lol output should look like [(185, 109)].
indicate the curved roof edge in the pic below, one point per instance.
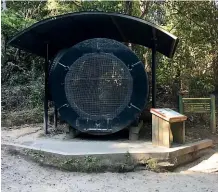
[(66, 30)]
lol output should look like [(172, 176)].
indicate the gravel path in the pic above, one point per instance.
[(19, 175)]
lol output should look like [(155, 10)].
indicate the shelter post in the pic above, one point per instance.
[(46, 92), (154, 70)]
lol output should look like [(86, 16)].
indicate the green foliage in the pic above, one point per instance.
[(31, 116), (194, 67), (203, 83), (12, 22), (195, 23)]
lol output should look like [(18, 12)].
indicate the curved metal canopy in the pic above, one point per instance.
[(67, 30)]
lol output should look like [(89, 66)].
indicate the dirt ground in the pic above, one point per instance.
[(22, 175)]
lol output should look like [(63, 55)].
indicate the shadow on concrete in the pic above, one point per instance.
[(145, 134), (121, 135)]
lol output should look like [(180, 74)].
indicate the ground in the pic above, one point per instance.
[(23, 175)]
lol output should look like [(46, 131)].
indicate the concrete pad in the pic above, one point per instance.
[(105, 147), (111, 152), (95, 147)]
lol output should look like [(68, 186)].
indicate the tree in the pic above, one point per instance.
[(194, 67)]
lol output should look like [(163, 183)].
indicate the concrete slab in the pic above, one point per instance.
[(96, 147), (108, 153)]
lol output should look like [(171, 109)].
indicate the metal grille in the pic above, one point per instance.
[(98, 86)]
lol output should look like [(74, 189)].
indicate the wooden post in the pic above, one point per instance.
[(212, 114), (166, 134), (181, 110), (155, 130)]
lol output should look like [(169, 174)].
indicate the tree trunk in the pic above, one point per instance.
[(128, 7), (215, 70), (2, 48)]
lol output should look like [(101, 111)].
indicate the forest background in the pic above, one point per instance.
[(193, 72)]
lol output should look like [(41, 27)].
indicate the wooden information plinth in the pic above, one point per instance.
[(167, 126)]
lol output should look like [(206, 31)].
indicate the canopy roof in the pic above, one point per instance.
[(64, 31)]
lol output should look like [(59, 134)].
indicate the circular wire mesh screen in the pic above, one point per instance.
[(98, 86)]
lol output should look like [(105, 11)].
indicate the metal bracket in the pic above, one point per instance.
[(131, 105), (65, 105), (67, 68)]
